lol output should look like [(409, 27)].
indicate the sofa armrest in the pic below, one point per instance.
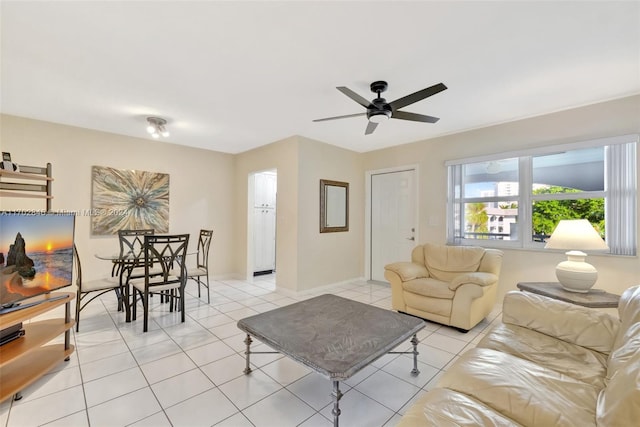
[(476, 278), (408, 270), (572, 323)]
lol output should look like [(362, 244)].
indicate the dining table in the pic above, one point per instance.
[(124, 264)]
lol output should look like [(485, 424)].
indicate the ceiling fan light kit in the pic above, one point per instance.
[(379, 110), (379, 117)]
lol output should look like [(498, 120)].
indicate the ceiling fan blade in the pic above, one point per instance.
[(404, 115), (417, 96), (340, 117), (371, 126), (351, 94)]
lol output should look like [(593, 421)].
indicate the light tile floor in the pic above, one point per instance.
[(190, 374)]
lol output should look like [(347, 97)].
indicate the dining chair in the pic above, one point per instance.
[(132, 244), (168, 253), (130, 262), (87, 291), (202, 262)]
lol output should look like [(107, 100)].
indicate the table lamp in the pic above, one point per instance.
[(574, 274)]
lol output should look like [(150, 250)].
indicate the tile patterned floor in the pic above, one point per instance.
[(190, 374)]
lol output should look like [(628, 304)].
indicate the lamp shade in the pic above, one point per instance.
[(576, 234)]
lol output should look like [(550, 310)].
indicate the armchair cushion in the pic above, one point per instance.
[(429, 287), (477, 278), (408, 270), (446, 262)]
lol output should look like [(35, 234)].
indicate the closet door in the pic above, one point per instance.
[(270, 239), (265, 190), (264, 220)]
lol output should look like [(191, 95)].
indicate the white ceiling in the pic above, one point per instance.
[(232, 76)]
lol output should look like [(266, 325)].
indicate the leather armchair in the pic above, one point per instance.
[(451, 285)]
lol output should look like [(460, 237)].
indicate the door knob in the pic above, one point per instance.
[(411, 238)]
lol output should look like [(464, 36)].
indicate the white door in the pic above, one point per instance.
[(261, 242), (393, 219), (265, 189), (259, 237), (264, 244)]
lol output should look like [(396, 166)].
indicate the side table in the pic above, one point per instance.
[(595, 298)]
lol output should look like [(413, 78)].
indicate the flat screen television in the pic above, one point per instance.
[(36, 255)]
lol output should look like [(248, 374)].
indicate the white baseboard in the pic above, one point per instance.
[(320, 289)]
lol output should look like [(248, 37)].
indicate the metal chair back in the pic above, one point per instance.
[(204, 242), (165, 271), (202, 262), (132, 242), (169, 252)]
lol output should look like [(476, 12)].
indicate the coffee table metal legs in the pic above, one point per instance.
[(247, 341), (337, 394), (414, 341), (248, 353)]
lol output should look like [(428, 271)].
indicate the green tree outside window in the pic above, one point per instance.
[(477, 218), (547, 213)]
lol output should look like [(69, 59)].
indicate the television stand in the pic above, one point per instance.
[(26, 359), (27, 304)]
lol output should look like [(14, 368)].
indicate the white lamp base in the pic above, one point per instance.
[(574, 274)]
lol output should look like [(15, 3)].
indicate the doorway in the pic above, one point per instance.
[(261, 236), (391, 218)]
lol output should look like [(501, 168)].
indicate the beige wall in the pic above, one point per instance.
[(201, 183), (283, 157), (304, 257), (209, 189), (618, 117), (329, 257)]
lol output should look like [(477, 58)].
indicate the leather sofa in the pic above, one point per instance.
[(451, 285), (549, 363)]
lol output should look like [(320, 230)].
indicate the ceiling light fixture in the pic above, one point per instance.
[(379, 116), (493, 168), (157, 127)]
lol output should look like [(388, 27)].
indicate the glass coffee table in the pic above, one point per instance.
[(334, 336)]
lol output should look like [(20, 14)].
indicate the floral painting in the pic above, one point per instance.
[(128, 199)]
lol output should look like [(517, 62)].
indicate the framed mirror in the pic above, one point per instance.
[(334, 206)]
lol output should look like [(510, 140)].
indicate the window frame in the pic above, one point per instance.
[(525, 197)]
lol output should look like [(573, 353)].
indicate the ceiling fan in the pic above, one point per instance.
[(380, 110)]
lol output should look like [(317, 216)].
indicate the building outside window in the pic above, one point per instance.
[(517, 200)]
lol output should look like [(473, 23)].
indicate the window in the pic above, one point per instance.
[(488, 194), (567, 185), (517, 200)]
